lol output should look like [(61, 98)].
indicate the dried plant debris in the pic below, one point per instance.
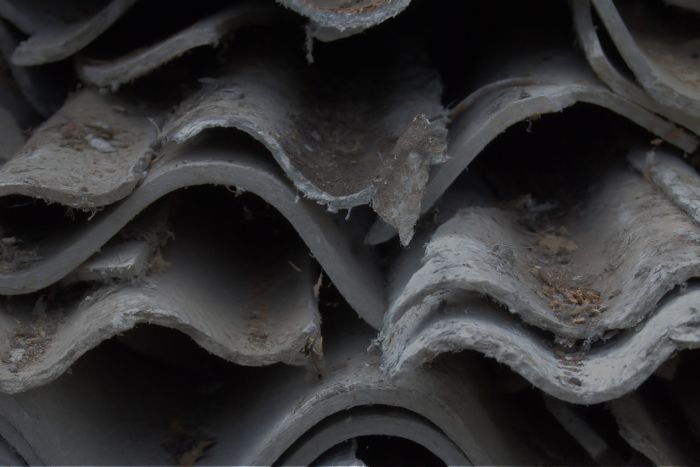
[(355, 133), (32, 337), (91, 153)]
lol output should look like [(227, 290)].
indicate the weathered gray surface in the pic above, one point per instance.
[(605, 372), (335, 19), (208, 31), (368, 421), (660, 53), (226, 299), (88, 154), (351, 140), (603, 265), (670, 174), (252, 422), (526, 89), (351, 267), (59, 29), (610, 74)]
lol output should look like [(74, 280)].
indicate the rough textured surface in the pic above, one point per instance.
[(604, 372), (208, 31), (349, 266), (230, 297), (88, 154), (342, 149), (612, 75), (253, 423), (660, 51), (589, 267), (675, 178), (59, 29), (549, 84), (334, 19)]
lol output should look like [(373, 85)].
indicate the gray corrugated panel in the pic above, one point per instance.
[(91, 153), (335, 19), (660, 51), (647, 424), (675, 178), (605, 372), (44, 87), (350, 266), (603, 266), (345, 139), (209, 31), (373, 421), (610, 74), (527, 89), (59, 29), (238, 304), (107, 404)]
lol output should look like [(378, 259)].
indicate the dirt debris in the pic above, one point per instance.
[(94, 134), (566, 290), (32, 337)]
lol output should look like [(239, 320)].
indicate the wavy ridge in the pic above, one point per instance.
[(235, 304), (589, 40), (542, 87), (351, 268), (205, 32), (58, 33), (601, 374), (603, 267), (658, 53), (246, 434)]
